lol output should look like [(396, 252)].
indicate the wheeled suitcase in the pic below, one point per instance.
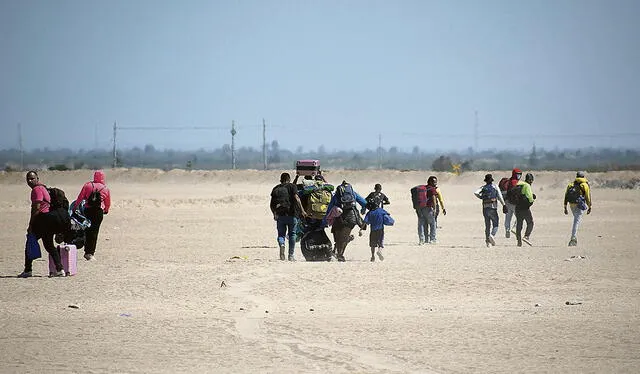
[(307, 167), (69, 258)]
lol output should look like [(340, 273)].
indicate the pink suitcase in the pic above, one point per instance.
[(307, 167), (69, 258)]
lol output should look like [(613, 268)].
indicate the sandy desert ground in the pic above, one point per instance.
[(153, 301)]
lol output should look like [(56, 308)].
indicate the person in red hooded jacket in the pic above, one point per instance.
[(509, 209), (94, 209)]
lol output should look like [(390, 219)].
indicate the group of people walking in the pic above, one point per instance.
[(316, 204), (517, 197), (339, 210), (51, 215), (313, 205)]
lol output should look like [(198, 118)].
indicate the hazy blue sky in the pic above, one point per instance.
[(337, 73)]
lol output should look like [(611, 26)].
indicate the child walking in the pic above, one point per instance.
[(377, 219)]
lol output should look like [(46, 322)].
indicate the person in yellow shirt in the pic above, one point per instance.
[(440, 203), (437, 202), (578, 196)]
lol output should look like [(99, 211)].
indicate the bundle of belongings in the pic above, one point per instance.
[(316, 245), (79, 224)]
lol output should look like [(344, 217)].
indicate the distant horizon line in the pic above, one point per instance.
[(326, 151)]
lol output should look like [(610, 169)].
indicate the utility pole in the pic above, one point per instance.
[(114, 145), (475, 133), (264, 143), (379, 151), (21, 149), (233, 145)]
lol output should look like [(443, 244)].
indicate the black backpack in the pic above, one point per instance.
[(280, 200), (58, 199), (95, 198), (374, 200), (59, 208), (573, 193), (515, 196)]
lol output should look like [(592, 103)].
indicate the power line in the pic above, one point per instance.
[(139, 128), (514, 136)]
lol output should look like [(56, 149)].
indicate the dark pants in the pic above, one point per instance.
[(341, 231), (376, 238), (45, 226), (523, 215), (94, 215), (491, 221)]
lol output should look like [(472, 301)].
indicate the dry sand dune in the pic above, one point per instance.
[(153, 302)]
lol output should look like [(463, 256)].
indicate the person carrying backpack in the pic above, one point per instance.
[(490, 196), (97, 200), (578, 196), (425, 200), (315, 199), (376, 199), (287, 209), (509, 209), (522, 197), (346, 199), (43, 224)]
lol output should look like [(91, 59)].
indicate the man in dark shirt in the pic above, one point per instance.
[(287, 210)]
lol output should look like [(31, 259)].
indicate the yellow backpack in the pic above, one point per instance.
[(318, 202)]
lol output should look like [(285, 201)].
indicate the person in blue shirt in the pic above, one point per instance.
[(377, 219), (345, 198)]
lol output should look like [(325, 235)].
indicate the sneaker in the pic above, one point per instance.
[(379, 253), (519, 243), (89, 257), (487, 242), (281, 252), (60, 273), (373, 258), (421, 242), (25, 274), (291, 258), (492, 240), (573, 242), (341, 259), (433, 241)]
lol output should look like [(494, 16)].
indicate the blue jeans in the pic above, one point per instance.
[(577, 217), (511, 209), (490, 218), (426, 224), (287, 227)]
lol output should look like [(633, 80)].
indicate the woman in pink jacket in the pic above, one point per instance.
[(97, 199)]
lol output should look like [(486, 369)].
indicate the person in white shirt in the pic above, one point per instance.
[(490, 196)]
